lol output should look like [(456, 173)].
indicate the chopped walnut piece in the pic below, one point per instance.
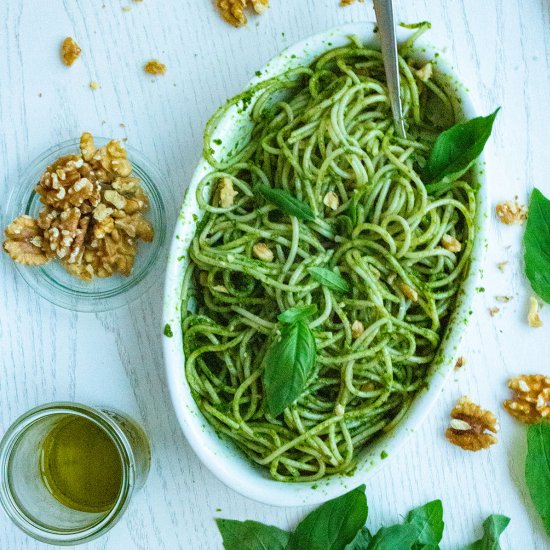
[(154, 67), (509, 212), (357, 329), (24, 241), (260, 6), (460, 362), (233, 11), (470, 426), (94, 85), (450, 243), (263, 252), (502, 266), (344, 3), (425, 72), (69, 51), (409, 292), (531, 399), (533, 317), (504, 299), (493, 311), (227, 192), (331, 200)]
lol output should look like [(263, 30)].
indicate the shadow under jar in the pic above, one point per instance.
[(68, 471)]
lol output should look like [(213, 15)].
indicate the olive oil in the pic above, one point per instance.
[(80, 465)]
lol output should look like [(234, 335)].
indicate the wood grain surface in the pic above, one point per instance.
[(501, 49)]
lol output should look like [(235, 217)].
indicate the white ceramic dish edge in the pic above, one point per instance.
[(219, 455)]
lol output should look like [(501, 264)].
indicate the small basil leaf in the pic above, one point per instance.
[(251, 535), (328, 278), (493, 527), (286, 202), (288, 364), (456, 149), (536, 243), (297, 313), (428, 522), (537, 470), (361, 541), (352, 210), (396, 537), (333, 525)]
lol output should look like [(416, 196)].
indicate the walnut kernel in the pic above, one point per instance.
[(331, 200), (450, 243), (425, 72), (531, 399), (263, 252), (154, 67), (509, 212), (357, 329), (70, 51), (227, 192), (409, 292), (24, 241), (233, 11)]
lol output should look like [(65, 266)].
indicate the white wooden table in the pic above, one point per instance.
[(500, 48)]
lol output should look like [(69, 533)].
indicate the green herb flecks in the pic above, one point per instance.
[(168, 331)]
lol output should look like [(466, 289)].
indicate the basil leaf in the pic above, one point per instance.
[(536, 243), (286, 202), (328, 278), (333, 525), (288, 364), (297, 313), (396, 537), (251, 535), (361, 541), (493, 527), (537, 470), (455, 150), (428, 522)]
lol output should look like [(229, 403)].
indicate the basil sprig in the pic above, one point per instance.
[(328, 278), (455, 150), (536, 244), (537, 470), (286, 202), (297, 313), (288, 364), (339, 524)]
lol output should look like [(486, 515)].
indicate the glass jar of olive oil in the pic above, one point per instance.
[(68, 471)]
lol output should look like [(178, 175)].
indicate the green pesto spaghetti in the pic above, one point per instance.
[(350, 199)]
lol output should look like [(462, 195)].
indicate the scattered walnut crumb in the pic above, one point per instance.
[(460, 362), (509, 212), (70, 51), (425, 72), (409, 292), (533, 316), (331, 200), (450, 243), (502, 266), (126, 8), (94, 85), (504, 299), (493, 311), (344, 3), (471, 428), (263, 252), (531, 400), (357, 329), (233, 11), (227, 192), (154, 67)]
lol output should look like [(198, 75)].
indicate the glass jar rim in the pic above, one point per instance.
[(57, 536)]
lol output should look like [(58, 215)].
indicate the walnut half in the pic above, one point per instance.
[(233, 11), (471, 428), (24, 242), (531, 401)]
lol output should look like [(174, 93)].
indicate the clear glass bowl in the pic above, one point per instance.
[(51, 280)]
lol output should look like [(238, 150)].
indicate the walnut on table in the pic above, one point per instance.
[(471, 427), (233, 11), (154, 67), (509, 212), (70, 51), (531, 400)]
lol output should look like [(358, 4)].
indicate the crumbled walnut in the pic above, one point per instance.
[(425, 72), (331, 200), (533, 317), (69, 51), (154, 67), (502, 266), (470, 426), (409, 292), (494, 311), (531, 400), (460, 362), (260, 6), (450, 243), (263, 252), (357, 329), (344, 3), (509, 212), (227, 192), (233, 11), (24, 241), (94, 85)]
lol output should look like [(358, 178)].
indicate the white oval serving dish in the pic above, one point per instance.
[(222, 458)]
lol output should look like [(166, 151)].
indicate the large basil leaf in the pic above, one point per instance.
[(536, 242), (288, 363), (455, 150), (286, 202), (251, 535), (297, 313), (329, 279), (428, 522), (333, 525), (537, 470), (396, 537), (493, 527), (361, 541)]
